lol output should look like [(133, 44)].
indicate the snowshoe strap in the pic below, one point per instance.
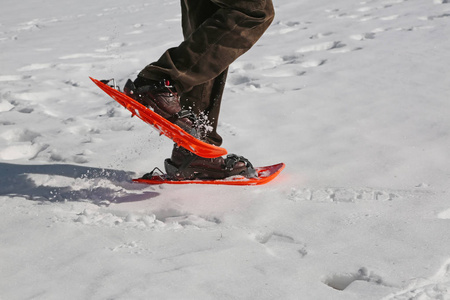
[(184, 113), (232, 159), (162, 85), (187, 162), (156, 172), (130, 88), (175, 173)]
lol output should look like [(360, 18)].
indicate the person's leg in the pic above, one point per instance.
[(204, 101), (210, 48)]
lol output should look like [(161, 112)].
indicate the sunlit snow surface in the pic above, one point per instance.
[(352, 95)]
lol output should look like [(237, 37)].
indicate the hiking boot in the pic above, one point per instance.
[(162, 98), (184, 165)]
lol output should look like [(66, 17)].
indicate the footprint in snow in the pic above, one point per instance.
[(320, 35), (389, 18), (7, 78), (435, 287), (19, 135), (343, 16), (313, 63), (281, 245), (341, 281), (341, 195), (25, 151), (431, 18), (321, 47), (36, 67), (286, 27), (363, 36)]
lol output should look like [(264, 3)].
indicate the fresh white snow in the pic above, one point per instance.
[(352, 95)]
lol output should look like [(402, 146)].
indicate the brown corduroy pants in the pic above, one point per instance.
[(216, 33)]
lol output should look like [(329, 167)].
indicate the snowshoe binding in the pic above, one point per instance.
[(163, 99), (184, 165)]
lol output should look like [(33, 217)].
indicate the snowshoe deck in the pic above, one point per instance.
[(172, 131), (265, 174)]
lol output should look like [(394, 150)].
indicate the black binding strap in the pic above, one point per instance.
[(184, 113), (232, 159), (155, 172)]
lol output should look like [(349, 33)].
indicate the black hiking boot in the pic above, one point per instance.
[(184, 165), (163, 99)]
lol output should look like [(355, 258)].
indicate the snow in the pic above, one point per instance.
[(351, 95)]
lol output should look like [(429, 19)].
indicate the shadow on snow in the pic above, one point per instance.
[(95, 185)]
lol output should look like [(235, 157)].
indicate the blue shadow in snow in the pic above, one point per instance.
[(15, 181)]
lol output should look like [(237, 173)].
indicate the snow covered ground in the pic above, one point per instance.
[(352, 95)]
